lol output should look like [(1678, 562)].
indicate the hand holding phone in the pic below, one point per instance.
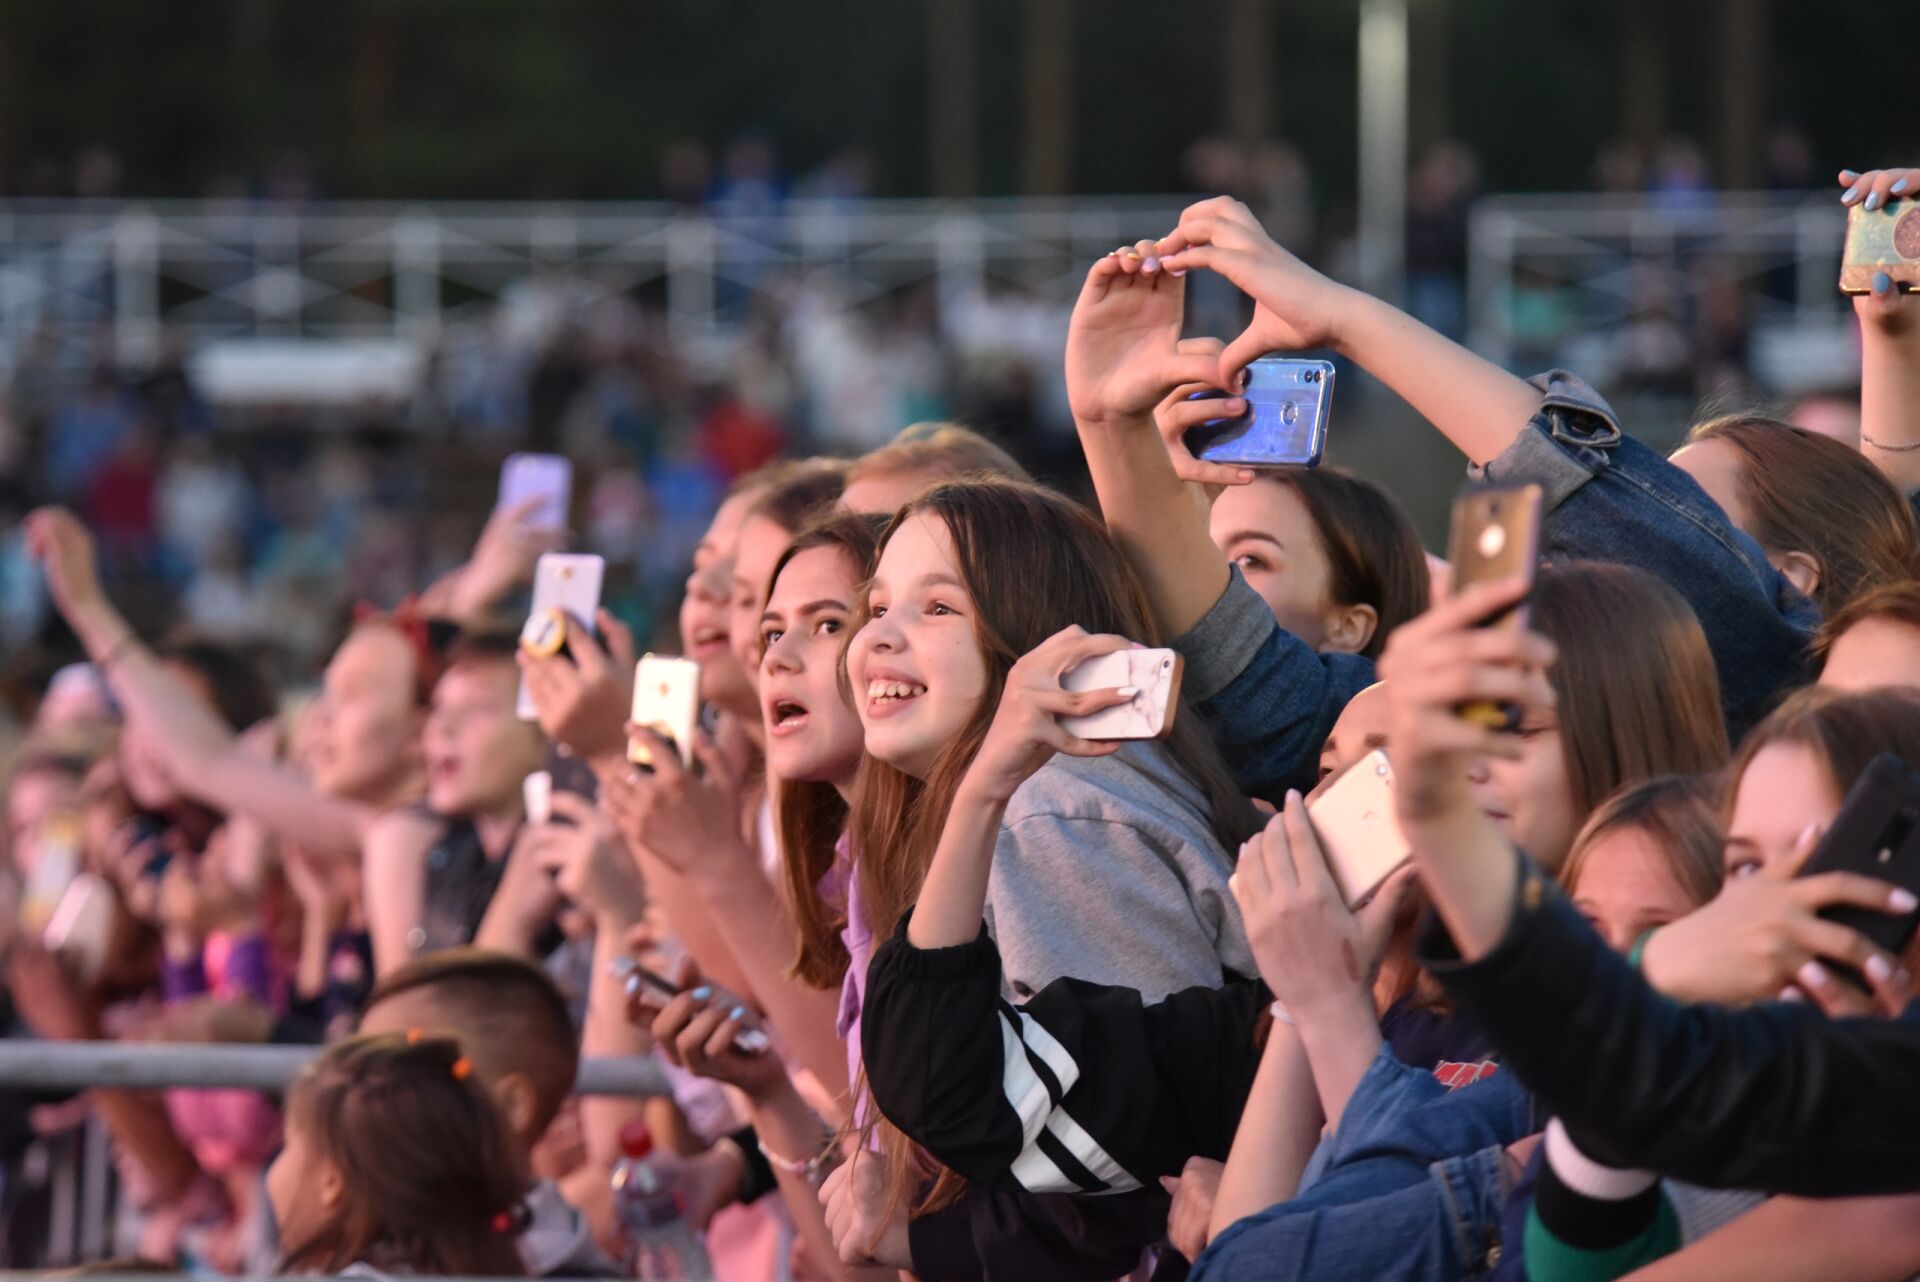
[(1877, 835), (1495, 535), (547, 478), (1358, 830), (1289, 402), (638, 976), (1155, 674), (566, 595)]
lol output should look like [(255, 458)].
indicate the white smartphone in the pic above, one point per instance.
[(536, 790), (80, 932), (666, 700), (547, 477), (1358, 831), (1149, 715), (565, 585)]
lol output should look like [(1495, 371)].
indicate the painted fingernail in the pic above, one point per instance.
[(1244, 476), (1807, 834), (1792, 994), (1879, 969), (1176, 271), (1293, 796), (1873, 200), (1902, 900), (702, 993), (633, 985), (1813, 975), (738, 1012), (1127, 692), (1882, 283), (1853, 193), (1899, 186), (1152, 264), (1849, 175)]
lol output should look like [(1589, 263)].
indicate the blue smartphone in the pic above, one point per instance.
[(1285, 425)]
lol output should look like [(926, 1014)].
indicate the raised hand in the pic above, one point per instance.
[(64, 548), (1886, 310), (1310, 946), (701, 1030), (1179, 413), (1026, 730), (588, 864), (1123, 341), (503, 557), (1295, 307), (689, 821), (581, 697)]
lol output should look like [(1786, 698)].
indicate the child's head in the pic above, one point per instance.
[(395, 1158), (1648, 855), (971, 576), (506, 1012), (1334, 556), (1874, 640), (1796, 767), (1631, 703), (478, 751), (1826, 517), (798, 492), (922, 456), (813, 735)]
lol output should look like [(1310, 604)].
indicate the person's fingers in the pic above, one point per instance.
[(1276, 849), (1309, 864), (1824, 890), (1832, 942), (673, 1019), (1856, 189), (724, 1039), (713, 762), (1171, 1183), (588, 655), (1239, 354), (1130, 260), (572, 806), (619, 642), (667, 768), (1878, 189), (1149, 253), (1202, 346), (693, 1039), (1254, 882), (1788, 868), (1892, 985), (1836, 998), (1099, 282)]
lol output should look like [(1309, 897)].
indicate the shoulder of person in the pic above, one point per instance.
[(1139, 785), (404, 830)]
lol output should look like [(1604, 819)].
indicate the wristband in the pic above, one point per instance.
[(808, 1169)]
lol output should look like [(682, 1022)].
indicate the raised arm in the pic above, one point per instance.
[(1889, 345), (396, 884), (1477, 405), (203, 756)]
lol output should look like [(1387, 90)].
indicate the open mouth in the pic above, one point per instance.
[(707, 641), (785, 716), (442, 769)]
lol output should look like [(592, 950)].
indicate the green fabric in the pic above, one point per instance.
[(1548, 1259)]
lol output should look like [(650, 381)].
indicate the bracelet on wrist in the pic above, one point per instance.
[(808, 1169)]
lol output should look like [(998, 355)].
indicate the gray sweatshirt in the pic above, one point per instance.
[(1107, 870)]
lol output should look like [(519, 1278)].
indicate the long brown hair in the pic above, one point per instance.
[(1809, 493), (1894, 602), (1681, 815), (1637, 700), (1374, 556), (811, 816), (430, 1183), (1033, 562)]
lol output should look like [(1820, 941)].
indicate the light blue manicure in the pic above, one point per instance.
[(1898, 187), (1882, 283), (1873, 201), (1853, 193), (702, 993), (738, 1012), (1850, 174)]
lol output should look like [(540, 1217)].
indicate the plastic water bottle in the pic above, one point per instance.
[(661, 1243)]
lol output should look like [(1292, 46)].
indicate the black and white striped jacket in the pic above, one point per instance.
[(1082, 1089)]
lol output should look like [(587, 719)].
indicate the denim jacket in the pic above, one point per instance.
[(1411, 1186), (1610, 498), (1269, 699)]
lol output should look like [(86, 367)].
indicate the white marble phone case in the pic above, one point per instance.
[(1358, 830), (1149, 715)]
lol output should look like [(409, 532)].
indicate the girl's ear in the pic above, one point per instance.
[(1801, 569), (1350, 627), (333, 1186)]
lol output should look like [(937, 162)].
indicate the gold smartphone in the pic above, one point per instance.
[(1495, 535)]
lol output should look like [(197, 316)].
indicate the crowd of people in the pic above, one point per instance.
[(942, 987)]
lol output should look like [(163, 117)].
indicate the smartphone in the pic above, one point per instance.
[(536, 791), (547, 477), (1495, 535), (56, 864), (1358, 831), (1288, 401), (566, 593), (752, 1040), (1876, 834), (1887, 240), (666, 700), (80, 932), (1155, 673)]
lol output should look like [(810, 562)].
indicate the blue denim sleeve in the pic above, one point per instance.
[(1610, 498), (1269, 699)]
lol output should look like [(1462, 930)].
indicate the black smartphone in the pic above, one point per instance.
[(1876, 834), (1495, 535)]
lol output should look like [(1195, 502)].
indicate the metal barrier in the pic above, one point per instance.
[(156, 1066), (207, 271)]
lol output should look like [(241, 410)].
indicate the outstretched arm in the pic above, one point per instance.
[(1477, 405), (203, 755), (1889, 346)]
